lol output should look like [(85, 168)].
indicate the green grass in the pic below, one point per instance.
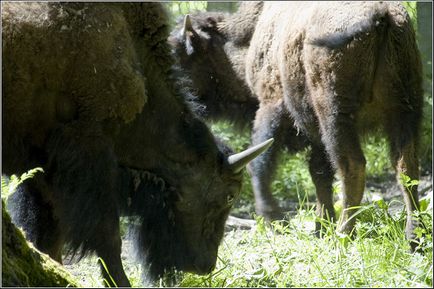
[(181, 8), (290, 255), (184, 7)]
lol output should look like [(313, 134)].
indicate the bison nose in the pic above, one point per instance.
[(204, 267)]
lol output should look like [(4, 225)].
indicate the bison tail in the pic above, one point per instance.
[(399, 75)]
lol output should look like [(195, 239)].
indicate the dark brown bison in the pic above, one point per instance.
[(91, 96), (325, 73)]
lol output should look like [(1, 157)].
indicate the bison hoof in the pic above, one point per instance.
[(414, 240)]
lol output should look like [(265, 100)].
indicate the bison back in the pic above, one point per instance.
[(63, 61)]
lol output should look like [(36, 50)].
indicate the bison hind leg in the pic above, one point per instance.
[(35, 216), (404, 158), (341, 140)]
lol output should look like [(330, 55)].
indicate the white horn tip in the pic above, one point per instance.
[(187, 22), (268, 142), (239, 160)]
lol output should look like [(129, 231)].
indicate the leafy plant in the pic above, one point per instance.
[(9, 185)]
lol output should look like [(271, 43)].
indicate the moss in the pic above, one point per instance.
[(24, 266)]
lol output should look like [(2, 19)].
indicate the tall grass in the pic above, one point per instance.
[(289, 255)]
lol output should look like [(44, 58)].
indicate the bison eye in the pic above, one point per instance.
[(230, 199)]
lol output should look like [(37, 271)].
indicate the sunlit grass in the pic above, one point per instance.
[(289, 255)]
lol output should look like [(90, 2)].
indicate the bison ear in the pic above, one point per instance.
[(238, 161)]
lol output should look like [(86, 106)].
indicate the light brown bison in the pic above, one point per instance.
[(324, 73)]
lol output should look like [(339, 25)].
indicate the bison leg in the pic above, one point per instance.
[(268, 124), (322, 174), (30, 211), (352, 168), (404, 158), (83, 173), (342, 144), (109, 250)]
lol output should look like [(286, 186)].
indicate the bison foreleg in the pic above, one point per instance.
[(84, 175), (268, 124), (110, 253)]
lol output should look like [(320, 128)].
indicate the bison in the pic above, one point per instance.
[(324, 75), (91, 95)]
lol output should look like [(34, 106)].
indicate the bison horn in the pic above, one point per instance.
[(238, 161), (187, 24)]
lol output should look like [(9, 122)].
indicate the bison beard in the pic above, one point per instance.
[(150, 201), (324, 75), (100, 109)]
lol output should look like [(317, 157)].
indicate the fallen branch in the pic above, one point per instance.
[(234, 223)]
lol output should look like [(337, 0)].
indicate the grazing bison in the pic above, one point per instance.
[(324, 73), (90, 94)]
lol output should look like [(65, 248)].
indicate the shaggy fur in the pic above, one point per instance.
[(330, 70), (90, 96), (219, 86)]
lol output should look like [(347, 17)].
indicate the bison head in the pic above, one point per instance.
[(183, 221), (202, 217), (211, 61)]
